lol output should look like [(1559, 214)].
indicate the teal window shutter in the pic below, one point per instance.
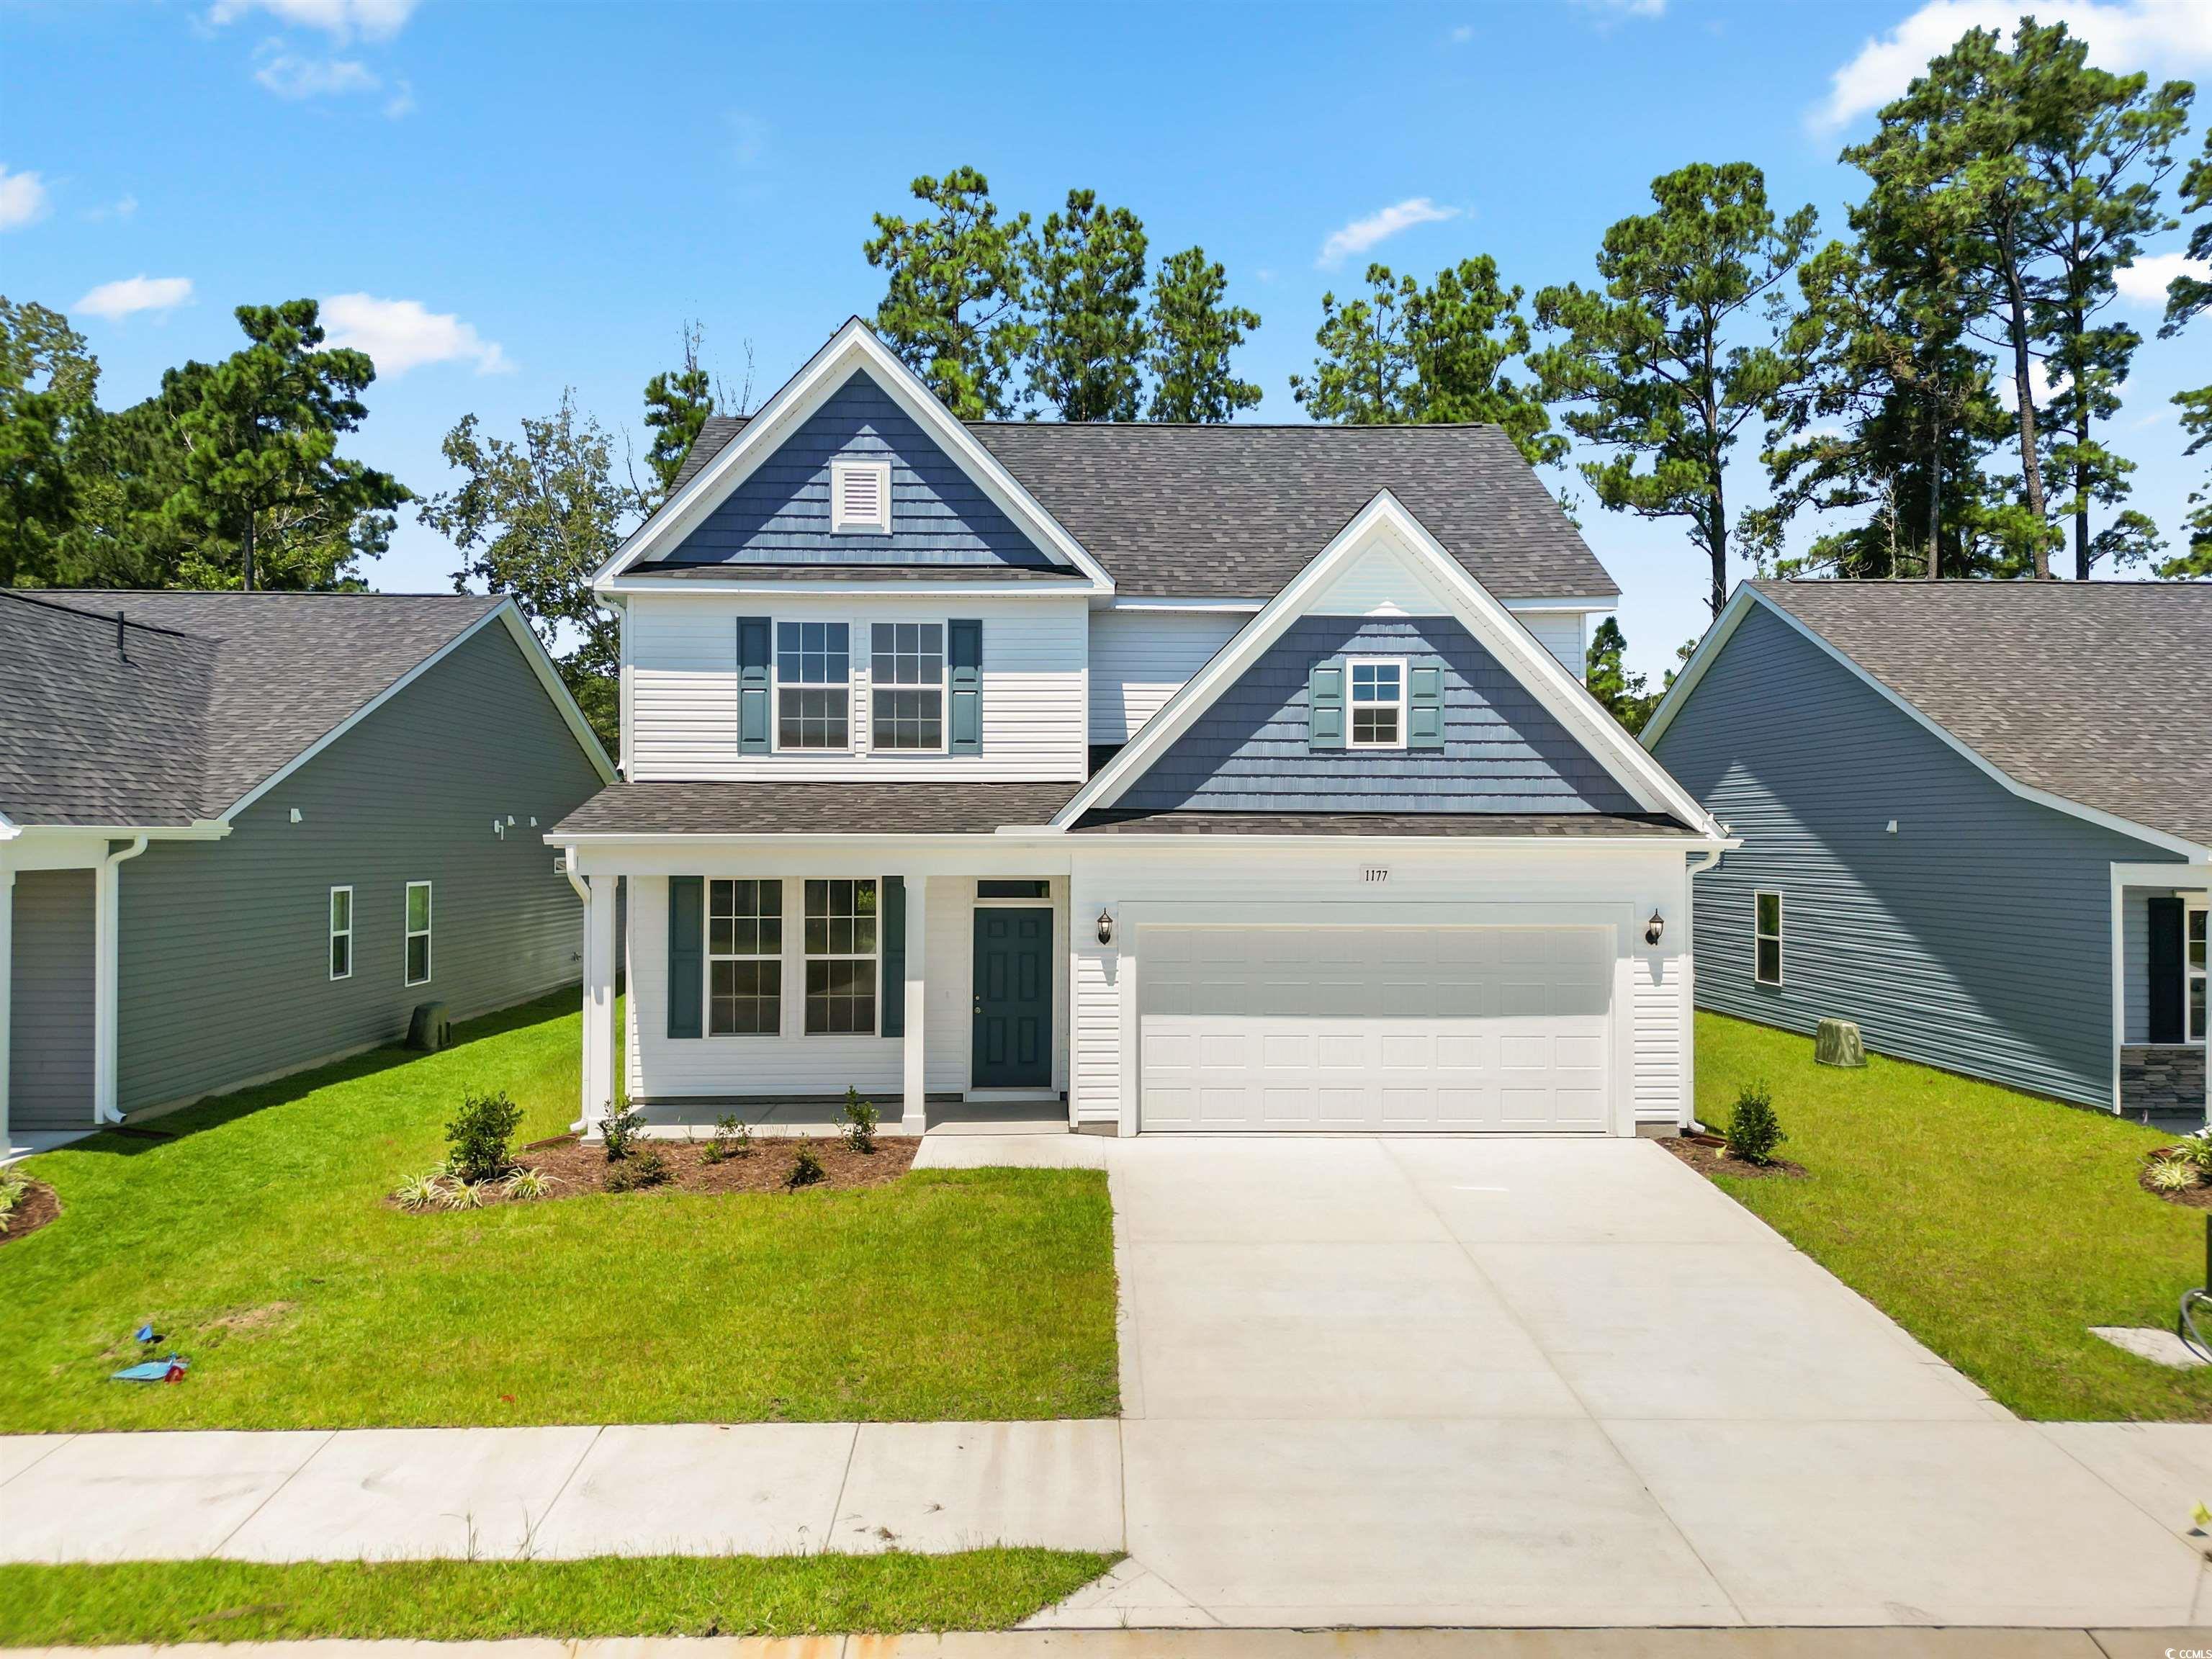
[(1325, 705), (2164, 916), (1425, 709), (964, 652), (755, 659), (892, 1001), (687, 910)]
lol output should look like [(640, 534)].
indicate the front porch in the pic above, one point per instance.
[(2160, 1015)]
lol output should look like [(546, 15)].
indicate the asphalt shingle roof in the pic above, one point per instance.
[(894, 807), (203, 697), (1381, 824), (1235, 511), (2100, 692)]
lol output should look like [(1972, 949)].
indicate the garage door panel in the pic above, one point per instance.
[(1451, 1028)]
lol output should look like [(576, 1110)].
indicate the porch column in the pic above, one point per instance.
[(7, 985), (598, 1001), (914, 1117), (106, 978)]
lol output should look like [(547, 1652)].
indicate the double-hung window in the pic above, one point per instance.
[(906, 675), (813, 685), (1766, 937), (2192, 966), (340, 932), (1378, 702), (418, 933), (841, 958), (744, 957)]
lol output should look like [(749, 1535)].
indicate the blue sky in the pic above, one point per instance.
[(500, 201)]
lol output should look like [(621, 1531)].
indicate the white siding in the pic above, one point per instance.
[(1661, 1015), (1379, 582), (1139, 659), (683, 653), (1560, 633)]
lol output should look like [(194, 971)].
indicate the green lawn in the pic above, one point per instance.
[(259, 1244), (476, 1600), (1997, 1228)]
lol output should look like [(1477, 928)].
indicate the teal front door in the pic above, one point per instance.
[(1013, 999)]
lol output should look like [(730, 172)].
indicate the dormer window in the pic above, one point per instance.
[(859, 498), (1378, 702)]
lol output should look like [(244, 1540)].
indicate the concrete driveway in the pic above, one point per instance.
[(1549, 1381)]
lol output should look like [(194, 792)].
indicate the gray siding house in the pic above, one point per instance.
[(1975, 818), (241, 834)]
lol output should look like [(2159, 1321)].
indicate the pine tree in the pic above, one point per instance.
[(952, 304), (1192, 331), (1086, 296)]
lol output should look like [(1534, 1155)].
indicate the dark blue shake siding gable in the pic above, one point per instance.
[(780, 514), (1977, 938), (1504, 752)]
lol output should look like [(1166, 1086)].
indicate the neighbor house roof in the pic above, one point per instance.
[(194, 699), (2099, 692), (1235, 511)]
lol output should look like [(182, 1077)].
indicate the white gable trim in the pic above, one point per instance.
[(853, 347), (1490, 622), (532, 652), (1731, 618)]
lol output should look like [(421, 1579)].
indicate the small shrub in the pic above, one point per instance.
[(643, 1168), (734, 1138), (528, 1183), (1754, 1131), (2196, 1151), (806, 1168), (624, 1128), (426, 1191), (860, 1121), (2171, 1174), (13, 1189), (478, 1139)]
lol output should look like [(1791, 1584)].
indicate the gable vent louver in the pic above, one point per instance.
[(861, 497)]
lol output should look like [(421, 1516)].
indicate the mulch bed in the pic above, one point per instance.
[(32, 1211), (578, 1167), (1709, 1156), (2193, 1197)]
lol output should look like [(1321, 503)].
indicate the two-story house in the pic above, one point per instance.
[(1200, 778)]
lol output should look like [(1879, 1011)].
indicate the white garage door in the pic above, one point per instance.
[(1462, 1030)]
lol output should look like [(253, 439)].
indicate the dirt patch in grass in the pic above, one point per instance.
[(2198, 1197), (39, 1205), (1709, 1156), (246, 1321), (576, 1167)]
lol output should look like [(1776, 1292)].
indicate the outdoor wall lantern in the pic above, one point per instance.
[(1105, 927), (1654, 928)]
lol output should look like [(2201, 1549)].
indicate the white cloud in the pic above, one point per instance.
[(1625, 8), (122, 208), (116, 301), (23, 199), (341, 20), (1363, 234), (2161, 36), (2144, 283), (400, 335), (1462, 35), (290, 76)]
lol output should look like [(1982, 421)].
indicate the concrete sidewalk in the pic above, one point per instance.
[(677, 1489)]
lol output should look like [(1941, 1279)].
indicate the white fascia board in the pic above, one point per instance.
[(199, 830), (621, 588), (1586, 606), (506, 613), (1218, 605), (1490, 620), (853, 347), (1731, 619)]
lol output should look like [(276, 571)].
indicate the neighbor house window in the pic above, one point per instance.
[(744, 957), (859, 498), (1378, 702), (340, 932), (1766, 937), (814, 685), (418, 933), (841, 957), (906, 673), (2192, 965)]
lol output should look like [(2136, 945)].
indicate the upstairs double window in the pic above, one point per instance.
[(906, 675), (921, 693), (813, 685)]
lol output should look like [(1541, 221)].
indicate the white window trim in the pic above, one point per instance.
[(874, 958), (338, 933), (779, 956), (1758, 938), (1351, 664), (425, 933), (2190, 973), (944, 685), (854, 685), (841, 526)]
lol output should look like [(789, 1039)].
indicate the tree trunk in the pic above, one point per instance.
[(1716, 537), (2031, 464), (247, 547), (2082, 501), (1936, 484)]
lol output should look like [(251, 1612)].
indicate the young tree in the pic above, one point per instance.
[(2185, 297), (1192, 330), (1652, 360), (1407, 352), (1086, 297), (534, 516), (952, 308), (678, 402), (266, 496)]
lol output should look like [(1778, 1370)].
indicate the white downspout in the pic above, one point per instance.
[(106, 908)]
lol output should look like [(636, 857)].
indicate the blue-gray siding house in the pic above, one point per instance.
[(1976, 819), (241, 834)]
